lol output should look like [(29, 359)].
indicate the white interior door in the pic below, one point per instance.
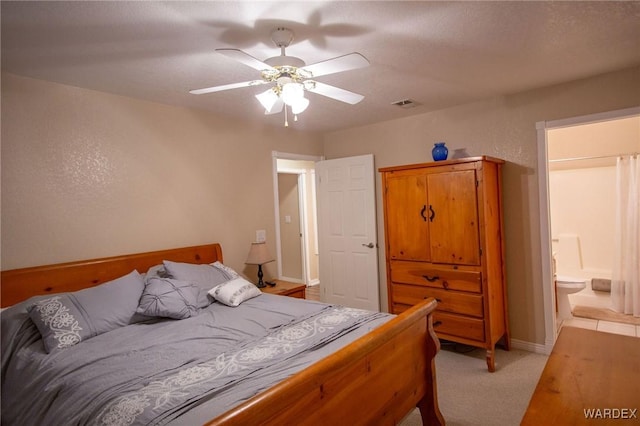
[(347, 232)]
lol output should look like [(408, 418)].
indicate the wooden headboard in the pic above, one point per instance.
[(17, 285)]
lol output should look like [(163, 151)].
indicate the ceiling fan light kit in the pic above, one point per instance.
[(291, 77), (268, 99)]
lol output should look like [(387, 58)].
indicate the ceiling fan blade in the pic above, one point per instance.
[(245, 58), (226, 87), (276, 108), (335, 93), (347, 62)]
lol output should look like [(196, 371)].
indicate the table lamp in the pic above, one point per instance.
[(259, 255)]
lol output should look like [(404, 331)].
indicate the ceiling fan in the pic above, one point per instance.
[(291, 77)]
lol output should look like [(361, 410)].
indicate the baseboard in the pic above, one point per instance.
[(299, 281), (531, 347), (291, 280)]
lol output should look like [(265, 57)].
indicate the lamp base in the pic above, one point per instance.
[(261, 283)]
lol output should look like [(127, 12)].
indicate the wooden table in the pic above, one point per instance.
[(286, 288), (591, 377)]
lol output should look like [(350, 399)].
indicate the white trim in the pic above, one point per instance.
[(531, 347), (292, 280), (542, 128), (303, 223), (548, 296), (291, 156), (314, 213), (592, 118)]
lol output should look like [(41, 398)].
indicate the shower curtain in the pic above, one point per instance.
[(625, 283)]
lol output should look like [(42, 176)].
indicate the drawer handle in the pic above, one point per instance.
[(431, 279), (445, 284), (437, 323)]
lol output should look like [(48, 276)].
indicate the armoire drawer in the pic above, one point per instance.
[(457, 325), (450, 301), (429, 275)]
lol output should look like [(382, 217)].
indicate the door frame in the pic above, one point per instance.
[(275, 156), (542, 128)]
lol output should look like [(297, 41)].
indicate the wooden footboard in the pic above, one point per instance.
[(378, 379)]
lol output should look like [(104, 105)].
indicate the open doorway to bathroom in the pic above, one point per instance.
[(580, 163)]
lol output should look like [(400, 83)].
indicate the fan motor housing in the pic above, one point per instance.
[(280, 61)]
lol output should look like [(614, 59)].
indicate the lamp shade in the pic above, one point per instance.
[(258, 254), (268, 99), (292, 92), (300, 105)]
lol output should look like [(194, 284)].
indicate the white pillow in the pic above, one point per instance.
[(234, 292)]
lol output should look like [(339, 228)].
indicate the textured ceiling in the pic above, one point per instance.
[(438, 54)]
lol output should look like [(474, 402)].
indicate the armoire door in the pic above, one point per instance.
[(406, 215), (453, 217)]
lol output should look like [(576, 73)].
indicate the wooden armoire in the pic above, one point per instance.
[(444, 239)]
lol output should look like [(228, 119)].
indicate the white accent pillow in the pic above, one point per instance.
[(234, 292)]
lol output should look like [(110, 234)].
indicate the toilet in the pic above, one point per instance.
[(564, 287)]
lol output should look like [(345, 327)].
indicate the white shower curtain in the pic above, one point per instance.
[(625, 283)]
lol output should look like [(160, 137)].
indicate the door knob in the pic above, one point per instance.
[(370, 245)]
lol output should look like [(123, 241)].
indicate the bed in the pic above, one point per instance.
[(374, 371)]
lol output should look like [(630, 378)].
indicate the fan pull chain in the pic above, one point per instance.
[(286, 121)]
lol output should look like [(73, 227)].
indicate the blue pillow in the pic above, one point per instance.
[(169, 298), (67, 319)]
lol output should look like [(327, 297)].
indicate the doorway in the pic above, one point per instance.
[(565, 152), (346, 187), (295, 212)]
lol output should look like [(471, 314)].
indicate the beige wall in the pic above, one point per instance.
[(503, 127), (88, 174)]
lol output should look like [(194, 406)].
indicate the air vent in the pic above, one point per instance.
[(406, 103)]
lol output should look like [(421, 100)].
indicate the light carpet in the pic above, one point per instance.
[(469, 395), (604, 315)]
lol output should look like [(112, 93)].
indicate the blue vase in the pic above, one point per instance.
[(439, 151)]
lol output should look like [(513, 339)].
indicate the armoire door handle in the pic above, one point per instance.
[(433, 213), (424, 208)]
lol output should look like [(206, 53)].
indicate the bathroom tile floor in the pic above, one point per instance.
[(604, 326)]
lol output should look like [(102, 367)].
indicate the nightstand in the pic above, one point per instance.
[(286, 288)]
